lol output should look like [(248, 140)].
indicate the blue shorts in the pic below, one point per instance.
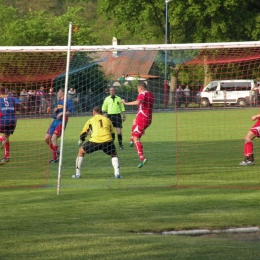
[(7, 126), (55, 128)]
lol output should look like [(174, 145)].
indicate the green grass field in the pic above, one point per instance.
[(98, 217)]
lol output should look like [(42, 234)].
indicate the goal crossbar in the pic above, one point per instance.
[(219, 45)]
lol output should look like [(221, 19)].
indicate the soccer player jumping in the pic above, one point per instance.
[(248, 146), (54, 131), (144, 101)]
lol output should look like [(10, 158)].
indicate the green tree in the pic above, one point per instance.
[(37, 28), (190, 21)]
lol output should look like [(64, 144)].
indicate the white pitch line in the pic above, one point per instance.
[(198, 232)]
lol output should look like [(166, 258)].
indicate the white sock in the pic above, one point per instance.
[(79, 162), (115, 163)]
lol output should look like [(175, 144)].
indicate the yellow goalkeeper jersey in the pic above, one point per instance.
[(101, 129)]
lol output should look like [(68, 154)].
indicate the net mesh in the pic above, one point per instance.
[(190, 142)]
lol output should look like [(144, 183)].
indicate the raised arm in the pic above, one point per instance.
[(256, 117), (133, 103)]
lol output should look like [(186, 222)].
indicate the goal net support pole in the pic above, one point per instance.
[(64, 109)]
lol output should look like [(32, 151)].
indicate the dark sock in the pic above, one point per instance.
[(120, 138)]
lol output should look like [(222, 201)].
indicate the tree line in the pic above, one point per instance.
[(134, 22)]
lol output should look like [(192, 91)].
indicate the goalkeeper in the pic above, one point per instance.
[(100, 130)]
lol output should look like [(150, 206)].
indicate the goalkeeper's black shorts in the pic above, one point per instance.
[(107, 147)]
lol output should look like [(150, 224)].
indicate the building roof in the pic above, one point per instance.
[(130, 63), (218, 56)]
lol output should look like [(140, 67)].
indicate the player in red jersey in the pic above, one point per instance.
[(144, 101), (248, 146)]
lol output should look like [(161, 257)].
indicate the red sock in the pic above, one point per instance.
[(51, 146), (54, 152), (248, 148), (7, 149), (139, 149)]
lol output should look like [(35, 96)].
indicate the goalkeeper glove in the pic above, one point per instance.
[(80, 142), (83, 136)]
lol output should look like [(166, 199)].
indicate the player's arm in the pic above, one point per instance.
[(18, 102), (122, 109), (256, 117), (104, 106), (133, 103), (85, 132)]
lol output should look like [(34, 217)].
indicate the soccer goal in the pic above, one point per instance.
[(204, 99)]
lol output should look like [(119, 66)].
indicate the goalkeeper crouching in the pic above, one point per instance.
[(99, 129)]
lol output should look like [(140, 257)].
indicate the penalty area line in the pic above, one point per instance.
[(199, 232)]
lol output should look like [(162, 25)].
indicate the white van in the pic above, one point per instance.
[(227, 92)]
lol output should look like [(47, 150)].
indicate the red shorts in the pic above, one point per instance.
[(139, 126), (256, 129)]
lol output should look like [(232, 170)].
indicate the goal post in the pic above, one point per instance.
[(196, 137)]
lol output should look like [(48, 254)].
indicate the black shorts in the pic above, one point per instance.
[(107, 147), (116, 120)]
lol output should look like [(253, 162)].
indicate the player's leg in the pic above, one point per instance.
[(55, 151), (120, 138), (49, 134), (54, 140), (9, 128), (4, 139), (140, 151), (119, 125), (131, 143), (79, 161), (110, 149), (138, 132), (87, 148), (47, 139), (4, 129), (249, 148), (7, 148)]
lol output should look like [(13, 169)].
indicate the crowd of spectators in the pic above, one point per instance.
[(42, 101), (38, 102)]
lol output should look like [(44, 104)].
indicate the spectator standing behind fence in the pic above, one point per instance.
[(186, 95), (75, 101), (24, 96), (40, 100), (179, 94), (31, 100), (122, 79), (71, 94), (51, 100), (88, 100), (256, 89), (253, 95), (113, 107)]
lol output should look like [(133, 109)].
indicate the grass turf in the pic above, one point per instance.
[(97, 217)]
